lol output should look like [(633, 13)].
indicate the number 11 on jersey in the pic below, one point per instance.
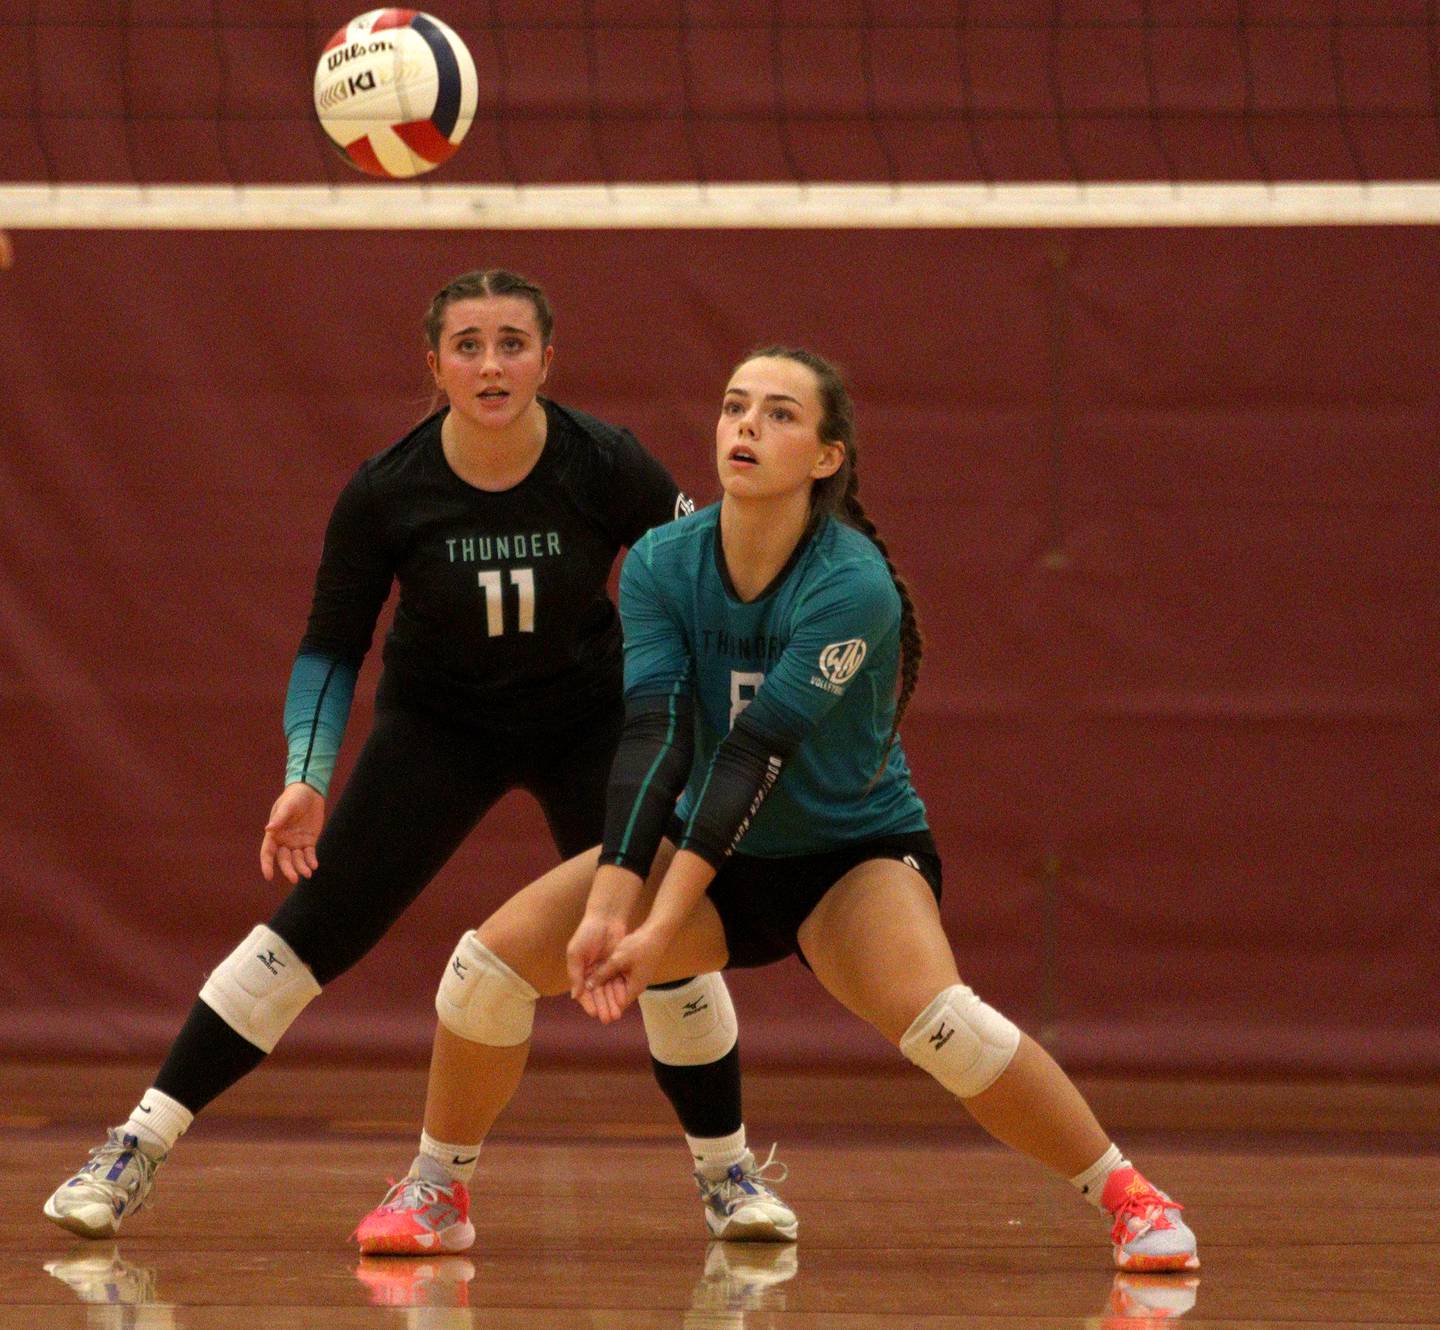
[(523, 580)]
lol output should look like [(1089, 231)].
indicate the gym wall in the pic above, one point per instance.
[(1168, 500)]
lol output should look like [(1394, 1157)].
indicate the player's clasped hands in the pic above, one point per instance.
[(609, 968), (291, 832)]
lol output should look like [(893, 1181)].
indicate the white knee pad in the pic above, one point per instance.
[(961, 1042), (690, 1025), (260, 988), (482, 999)]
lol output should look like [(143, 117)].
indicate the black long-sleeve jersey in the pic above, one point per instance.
[(504, 620)]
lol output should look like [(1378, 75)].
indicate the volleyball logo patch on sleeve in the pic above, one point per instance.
[(838, 664)]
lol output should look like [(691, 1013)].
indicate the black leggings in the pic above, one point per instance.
[(418, 789)]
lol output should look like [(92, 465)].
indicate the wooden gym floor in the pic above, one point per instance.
[(1316, 1206)]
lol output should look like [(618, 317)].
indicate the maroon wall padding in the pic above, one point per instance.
[(1170, 501)]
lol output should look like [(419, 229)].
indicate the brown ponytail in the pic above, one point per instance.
[(912, 640), (838, 495)]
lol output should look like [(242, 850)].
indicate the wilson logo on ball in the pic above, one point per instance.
[(395, 105)]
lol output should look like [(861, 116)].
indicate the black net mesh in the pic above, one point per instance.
[(804, 91)]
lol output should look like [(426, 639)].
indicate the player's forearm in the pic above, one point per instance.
[(742, 773), (614, 892), (647, 774), (317, 705), (686, 880)]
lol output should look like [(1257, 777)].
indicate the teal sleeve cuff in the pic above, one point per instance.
[(317, 705)]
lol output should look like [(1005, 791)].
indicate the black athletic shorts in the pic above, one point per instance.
[(763, 902)]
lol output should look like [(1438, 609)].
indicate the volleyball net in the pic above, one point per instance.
[(754, 113)]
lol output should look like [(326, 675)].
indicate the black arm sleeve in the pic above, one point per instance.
[(646, 777), (744, 770), (648, 493), (353, 579)]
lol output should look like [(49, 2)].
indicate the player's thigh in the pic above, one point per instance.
[(876, 943), (532, 929), (697, 947), (410, 801), (571, 778)]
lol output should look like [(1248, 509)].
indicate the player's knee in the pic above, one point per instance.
[(961, 1041), (692, 1024), (260, 988), (482, 999)]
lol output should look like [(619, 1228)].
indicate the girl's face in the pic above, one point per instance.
[(491, 359), (767, 441)]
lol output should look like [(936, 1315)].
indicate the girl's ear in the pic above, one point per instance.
[(831, 459)]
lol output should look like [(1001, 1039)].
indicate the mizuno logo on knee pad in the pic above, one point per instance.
[(482, 999), (260, 988), (961, 1042), (692, 1024)]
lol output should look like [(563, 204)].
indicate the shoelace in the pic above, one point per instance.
[(413, 1194), (102, 1160), (1147, 1209), (731, 1186)]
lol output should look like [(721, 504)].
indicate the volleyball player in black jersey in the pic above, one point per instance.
[(500, 518)]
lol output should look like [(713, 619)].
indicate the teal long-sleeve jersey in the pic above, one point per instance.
[(811, 663)]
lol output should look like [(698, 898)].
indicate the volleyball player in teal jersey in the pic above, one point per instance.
[(763, 641)]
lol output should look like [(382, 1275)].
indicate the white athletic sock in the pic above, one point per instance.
[(157, 1122), (1091, 1183), (454, 1163), (713, 1155)]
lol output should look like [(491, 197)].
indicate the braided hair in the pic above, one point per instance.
[(838, 495)]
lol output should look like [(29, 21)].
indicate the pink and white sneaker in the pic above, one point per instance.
[(418, 1218), (1149, 1233)]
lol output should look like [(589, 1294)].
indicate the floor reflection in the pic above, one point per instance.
[(434, 1290), (737, 1281), (739, 1278), (1140, 1301), (121, 1294)]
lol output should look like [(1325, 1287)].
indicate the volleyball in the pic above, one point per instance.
[(395, 92)]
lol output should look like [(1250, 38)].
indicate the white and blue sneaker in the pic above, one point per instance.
[(743, 1207), (112, 1185)]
